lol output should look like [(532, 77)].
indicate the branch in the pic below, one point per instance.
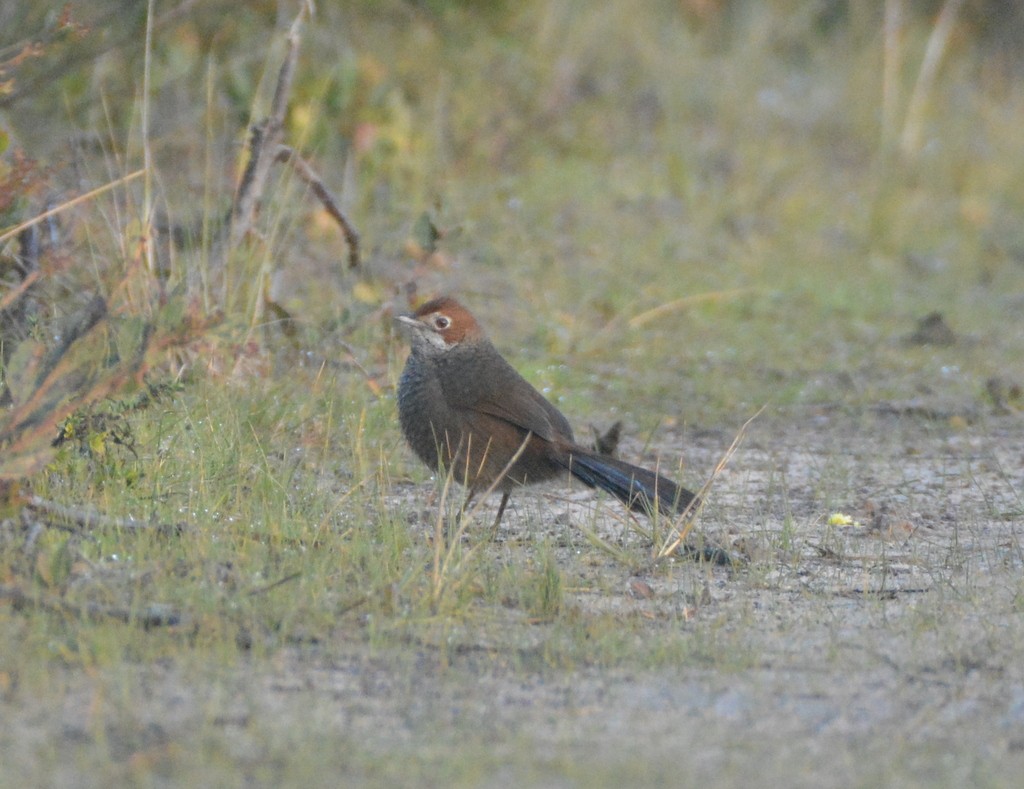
[(266, 135), (315, 182), (86, 519), (153, 615)]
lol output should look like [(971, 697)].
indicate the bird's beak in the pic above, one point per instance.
[(407, 320)]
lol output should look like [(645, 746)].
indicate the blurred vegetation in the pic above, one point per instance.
[(743, 125), (671, 213), (702, 170)]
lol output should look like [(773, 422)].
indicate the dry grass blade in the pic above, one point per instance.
[(12, 232), (684, 523), (17, 291), (618, 554), (938, 41), (892, 63), (498, 480), (440, 559), (445, 559), (643, 318)]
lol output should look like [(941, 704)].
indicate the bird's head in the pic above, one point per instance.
[(441, 324)]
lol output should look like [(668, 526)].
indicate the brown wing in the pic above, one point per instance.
[(536, 415), (500, 391)]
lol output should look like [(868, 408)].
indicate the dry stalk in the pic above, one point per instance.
[(13, 231), (19, 290), (263, 142), (892, 63), (446, 564), (645, 317), (313, 180), (153, 615), (910, 141), (86, 519), (684, 523)]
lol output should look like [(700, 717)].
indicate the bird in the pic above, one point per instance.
[(466, 411)]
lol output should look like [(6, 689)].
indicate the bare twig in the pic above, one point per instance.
[(86, 519), (265, 138), (153, 615), (266, 147), (273, 585), (288, 155)]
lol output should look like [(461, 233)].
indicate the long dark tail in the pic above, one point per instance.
[(635, 487)]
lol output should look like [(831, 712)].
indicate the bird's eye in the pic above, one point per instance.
[(442, 322)]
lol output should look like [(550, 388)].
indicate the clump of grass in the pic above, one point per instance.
[(542, 589)]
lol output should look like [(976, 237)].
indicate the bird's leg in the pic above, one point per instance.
[(462, 514), (501, 511), (497, 518), (469, 500)]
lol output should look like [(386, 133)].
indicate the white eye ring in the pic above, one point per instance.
[(442, 322)]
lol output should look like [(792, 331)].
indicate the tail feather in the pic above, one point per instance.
[(637, 488)]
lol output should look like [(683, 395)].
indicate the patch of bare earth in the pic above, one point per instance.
[(882, 646)]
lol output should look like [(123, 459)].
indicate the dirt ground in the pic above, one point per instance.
[(882, 651)]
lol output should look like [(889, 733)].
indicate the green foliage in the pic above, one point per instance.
[(542, 590)]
